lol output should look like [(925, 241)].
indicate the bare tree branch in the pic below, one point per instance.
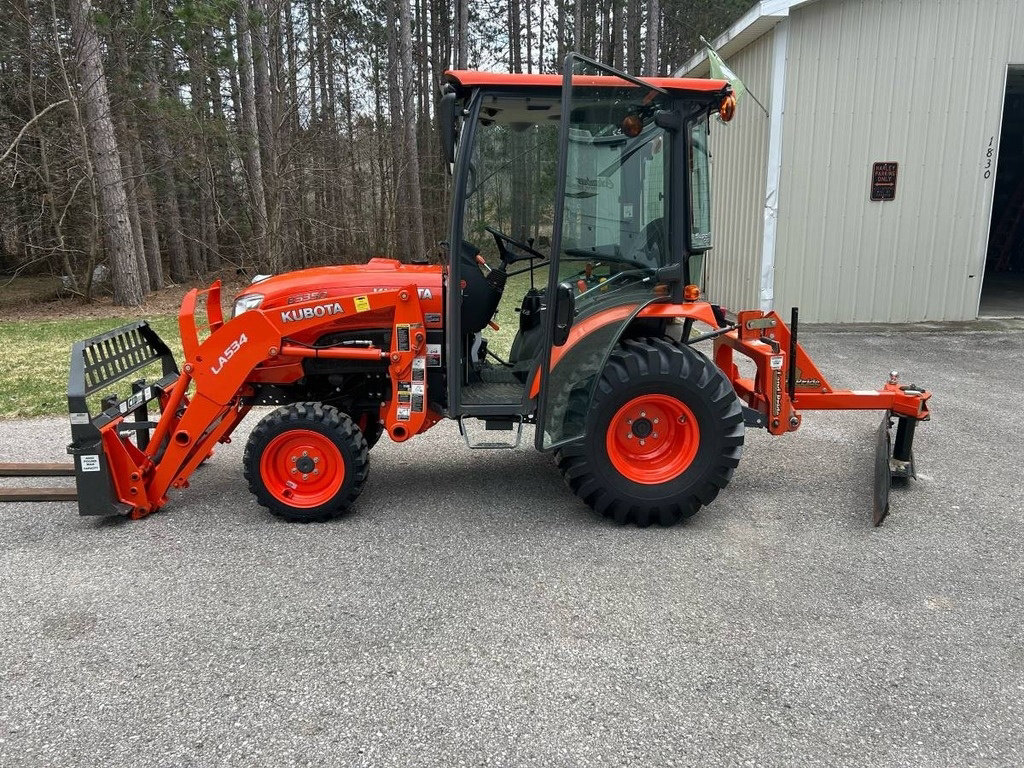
[(28, 125)]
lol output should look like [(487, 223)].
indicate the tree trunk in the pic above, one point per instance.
[(250, 138), (540, 39), (399, 213), (577, 28), (260, 34), (359, 240), (299, 216), (617, 38), (463, 60), (226, 204), (168, 187), (651, 64), (103, 144), (208, 245), (150, 238), (133, 203), (560, 35), (412, 154), (131, 177)]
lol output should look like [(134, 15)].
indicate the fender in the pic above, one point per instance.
[(698, 310)]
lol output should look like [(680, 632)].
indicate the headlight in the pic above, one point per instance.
[(247, 302)]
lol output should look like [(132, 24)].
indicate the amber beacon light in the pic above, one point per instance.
[(727, 109)]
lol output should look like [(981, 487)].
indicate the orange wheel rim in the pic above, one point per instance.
[(302, 468), (652, 439)]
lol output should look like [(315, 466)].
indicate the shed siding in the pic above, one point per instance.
[(918, 82), (739, 153)]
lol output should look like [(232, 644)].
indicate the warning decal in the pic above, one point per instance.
[(362, 304), (403, 337), (433, 355)]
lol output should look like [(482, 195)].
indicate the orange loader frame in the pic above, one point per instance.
[(216, 370)]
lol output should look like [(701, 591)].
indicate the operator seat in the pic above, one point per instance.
[(479, 296)]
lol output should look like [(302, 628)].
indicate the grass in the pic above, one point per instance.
[(35, 359)]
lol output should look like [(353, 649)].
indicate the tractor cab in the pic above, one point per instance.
[(577, 201)]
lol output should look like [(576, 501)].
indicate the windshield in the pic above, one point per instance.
[(615, 194)]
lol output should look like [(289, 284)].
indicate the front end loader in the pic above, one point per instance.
[(580, 208)]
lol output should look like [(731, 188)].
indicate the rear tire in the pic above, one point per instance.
[(306, 462), (664, 435)]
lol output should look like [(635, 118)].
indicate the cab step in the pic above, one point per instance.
[(512, 424)]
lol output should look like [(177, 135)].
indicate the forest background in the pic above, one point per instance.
[(162, 141)]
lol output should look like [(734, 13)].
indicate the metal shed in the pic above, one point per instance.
[(883, 180)]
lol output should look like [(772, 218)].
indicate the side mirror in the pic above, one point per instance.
[(565, 311), (447, 113)]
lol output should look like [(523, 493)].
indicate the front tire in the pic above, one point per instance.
[(306, 462), (371, 426), (664, 435)]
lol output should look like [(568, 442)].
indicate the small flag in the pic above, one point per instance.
[(720, 71)]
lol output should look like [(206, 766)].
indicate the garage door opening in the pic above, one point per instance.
[(1002, 292)]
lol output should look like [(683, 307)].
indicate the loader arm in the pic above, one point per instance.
[(200, 405)]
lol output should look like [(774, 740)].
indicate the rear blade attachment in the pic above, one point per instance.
[(96, 365), (893, 460), (883, 477)]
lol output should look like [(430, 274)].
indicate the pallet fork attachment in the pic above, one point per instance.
[(96, 364), (36, 493)]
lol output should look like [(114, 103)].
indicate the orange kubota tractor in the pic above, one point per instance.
[(582, 202)]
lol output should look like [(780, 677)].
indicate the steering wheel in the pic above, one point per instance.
[(503, 241)]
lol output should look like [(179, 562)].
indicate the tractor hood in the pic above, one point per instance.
[(346, 280)]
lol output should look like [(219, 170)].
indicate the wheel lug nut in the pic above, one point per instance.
[(305, 476), (316, 460), (316, 471), (643, 442), (655, 435), (305, 453), (294, 459), (629, 436), (655, 421), (294, 470), (643, 414)]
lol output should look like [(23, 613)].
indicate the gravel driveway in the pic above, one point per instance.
[(470, 611)]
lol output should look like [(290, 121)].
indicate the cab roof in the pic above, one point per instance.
[(467, 78)]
